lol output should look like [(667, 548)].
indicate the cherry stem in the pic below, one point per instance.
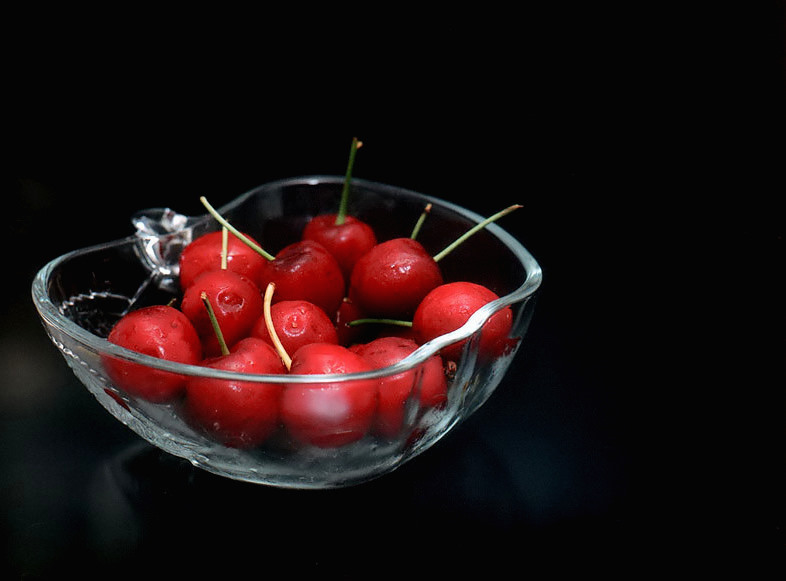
[(224, 246), (341, 216), (475, 229), (214, 321), (242, 237), (396, 322), (271, 287), (419, 223)]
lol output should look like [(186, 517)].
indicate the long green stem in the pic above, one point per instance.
[(474, 230), (224, 246), (214, 322), (341, 216), (419, 223), (271, 329), (243, 238)]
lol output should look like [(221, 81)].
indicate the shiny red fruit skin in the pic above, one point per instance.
[(296, 323), (330, 414), (305, 270), (449, 306), (160, 331), (347, 242), (392, 278), (204, 254), (238, 414), (236, 301), (395, 390)]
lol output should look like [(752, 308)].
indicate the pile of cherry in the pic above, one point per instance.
[(301, 312)]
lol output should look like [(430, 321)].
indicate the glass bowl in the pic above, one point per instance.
[(81, 295)]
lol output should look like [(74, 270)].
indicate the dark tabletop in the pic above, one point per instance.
[(589, 451)]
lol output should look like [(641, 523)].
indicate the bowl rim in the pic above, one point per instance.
[(51, 315)]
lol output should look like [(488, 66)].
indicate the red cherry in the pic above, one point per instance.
[(449, 306), (394, 390), (305, 270), (239, 414), (330, 414), (392, 278), (296, 323), (237, 303), (346, 241), (160, 331), (204, 254)]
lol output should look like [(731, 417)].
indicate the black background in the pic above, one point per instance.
[(643, 418)]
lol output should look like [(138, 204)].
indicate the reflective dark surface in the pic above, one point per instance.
[(614, 444)]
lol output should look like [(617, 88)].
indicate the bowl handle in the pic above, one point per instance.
[(161, 235)]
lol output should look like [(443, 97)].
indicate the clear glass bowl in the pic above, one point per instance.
[(81, 294)]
